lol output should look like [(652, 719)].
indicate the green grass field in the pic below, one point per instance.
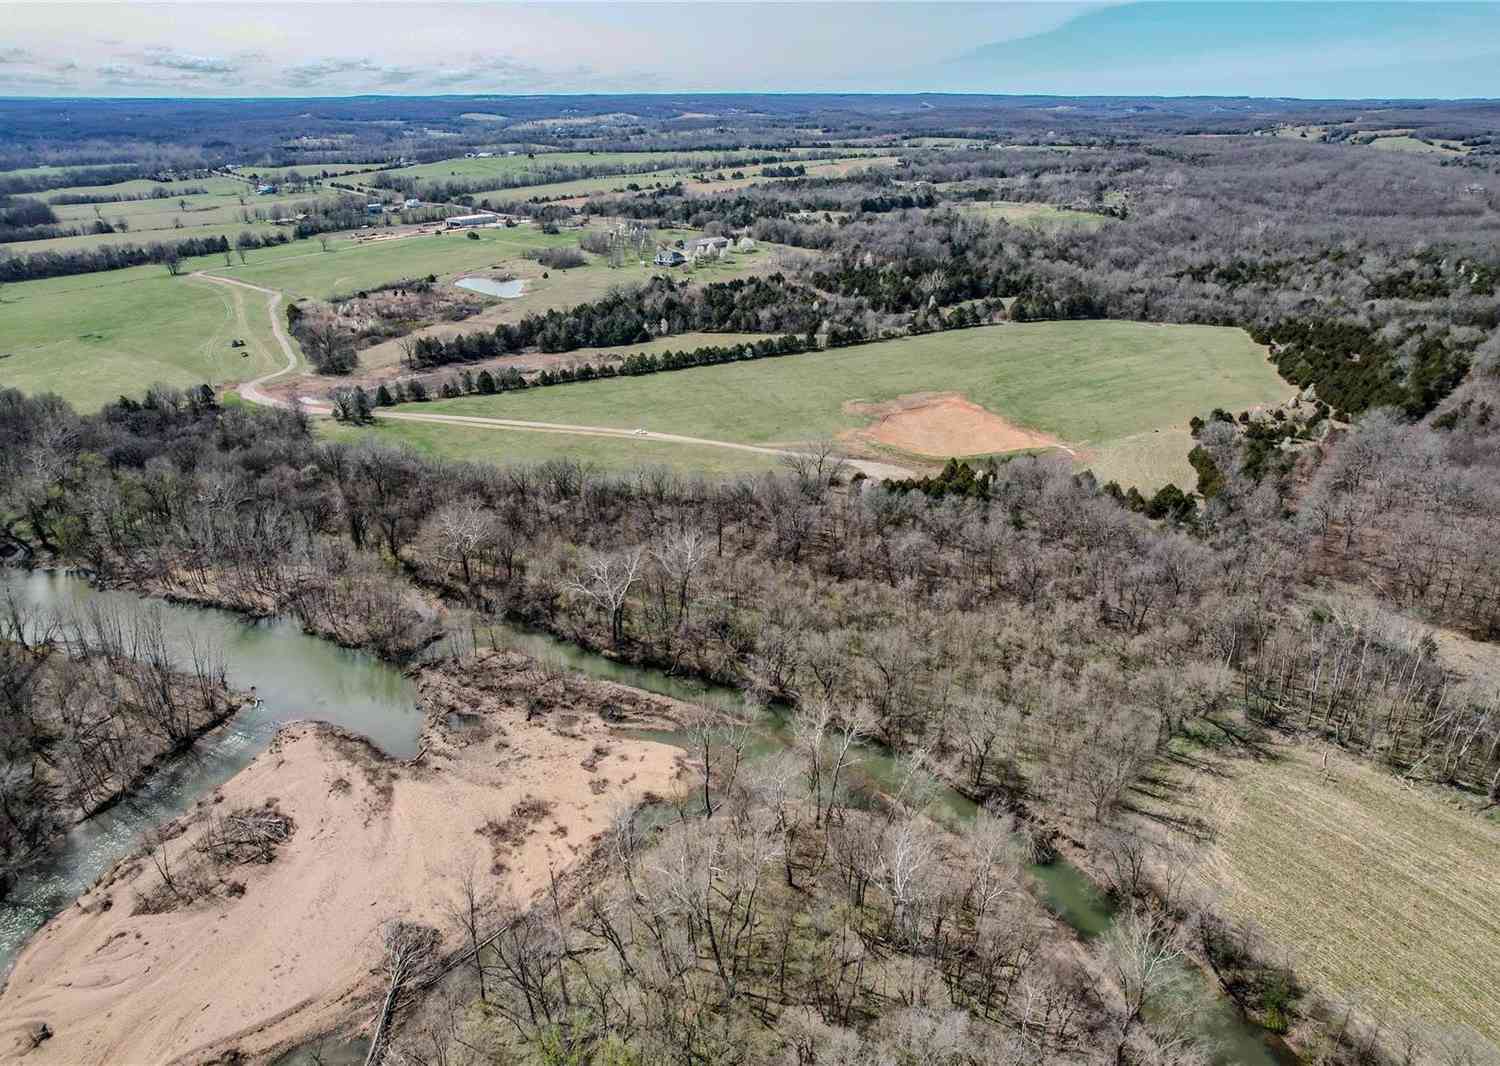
[(214, 186), (502, 447), (92, 337), (303, 269), (306, 170), (226, 208), (1100, 387), (1377, 891), (506, 169)]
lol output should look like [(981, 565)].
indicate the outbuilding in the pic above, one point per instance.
[(467, 221)]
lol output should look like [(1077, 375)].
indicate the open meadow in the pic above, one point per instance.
[(480, 444), (92, 337), (217, 206), (1106, 392), (1380, 893), (366, 259), (511, 170), (1040, 215)]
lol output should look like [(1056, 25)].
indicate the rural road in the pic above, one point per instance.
[(870, 468), (251, 389), (251, 392)]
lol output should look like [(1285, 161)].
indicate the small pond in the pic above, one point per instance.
[(506, 290)]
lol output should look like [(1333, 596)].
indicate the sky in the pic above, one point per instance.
[(1303, 48)]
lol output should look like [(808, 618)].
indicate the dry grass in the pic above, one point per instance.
[(1379, 892)]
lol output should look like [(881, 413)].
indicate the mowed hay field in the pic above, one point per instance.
[(1379, 892), (92, 337), (503, 447), (1117, 394)]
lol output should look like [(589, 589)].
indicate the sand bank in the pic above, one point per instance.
[(259, 956)]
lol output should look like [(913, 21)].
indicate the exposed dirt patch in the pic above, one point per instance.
[(942, 424)]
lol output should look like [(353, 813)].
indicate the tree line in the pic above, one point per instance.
[(54, 264)]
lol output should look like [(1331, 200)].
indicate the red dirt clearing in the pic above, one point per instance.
[(943, 424)]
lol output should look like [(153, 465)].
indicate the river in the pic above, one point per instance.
[(297, 676), (294, 676)]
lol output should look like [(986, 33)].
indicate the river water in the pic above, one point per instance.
[(1060, 885), (296, 676)]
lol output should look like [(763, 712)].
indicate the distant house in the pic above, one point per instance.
[(375, 208), (700, 245), (484, 155), (265, 189), (466, 221), (669, 257), (412, 201)]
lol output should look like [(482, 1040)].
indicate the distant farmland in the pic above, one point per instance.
[(1116, 394)]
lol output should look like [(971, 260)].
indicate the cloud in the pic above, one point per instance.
[(303, 75), (489, 70), (124, 75), (32, 79), (15, 55), (190, 64)]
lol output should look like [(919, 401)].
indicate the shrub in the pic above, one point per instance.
[(561, 258)]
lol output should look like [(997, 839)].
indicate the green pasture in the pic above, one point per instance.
[(506, 169), (92, 337), (303, 270), (505, 446), (1097, 386)]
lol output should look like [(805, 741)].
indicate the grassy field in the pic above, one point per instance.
[(215, 210), (303, 269), (500, 446), (226, 208), (567, 288), (1378, 891), (274, 174), (1043, 216), (617, 183), (1098, 386), (92, 337), (506, 169), (143, 237), (214, 186)]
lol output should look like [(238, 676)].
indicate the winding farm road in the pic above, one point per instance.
[(251, 389), (251, 392)]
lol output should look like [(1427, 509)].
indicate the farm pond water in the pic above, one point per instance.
[(298, 676), (506, 290)]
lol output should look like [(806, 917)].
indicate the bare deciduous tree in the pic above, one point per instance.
[(607, 580)]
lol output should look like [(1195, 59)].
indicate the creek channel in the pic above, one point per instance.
[(297, 676)]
